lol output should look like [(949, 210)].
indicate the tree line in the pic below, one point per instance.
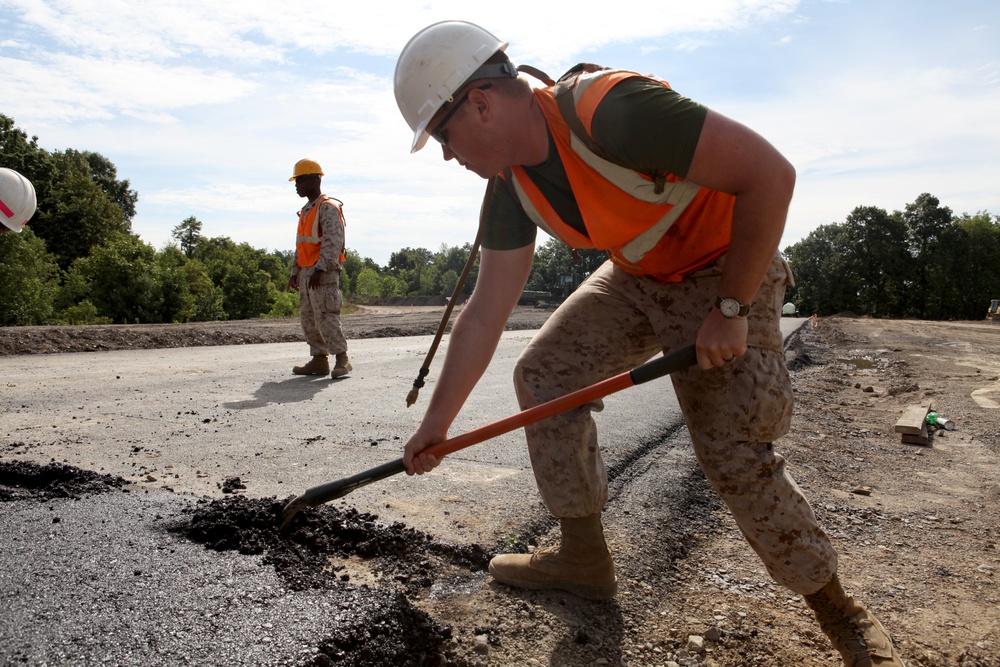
[(922, 262), (79, 262)]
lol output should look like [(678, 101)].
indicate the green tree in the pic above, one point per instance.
[(104, 173), (121, 279), (392, 287), (74, 213), (933, 239), (979, 281), (448, 281), (286, 304), (408, 264), (353, 266), (30, 279), (818, 266), (187, 234), (23, 154), (240, 270), (368, 284), (876, 261), (559, 269)]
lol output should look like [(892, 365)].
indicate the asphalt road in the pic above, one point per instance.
[(100, 580)]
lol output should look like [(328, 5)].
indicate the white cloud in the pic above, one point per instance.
[(205, 105)]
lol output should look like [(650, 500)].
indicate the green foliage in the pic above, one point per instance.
[(391, 287), (121, 279), (105, 175), (921, 262), (30, 279), (558, 269), (286, 304), (22, 154), (82, 313), (368, 284), (187, 234), (244, 275), (79, 262), (74, 214)]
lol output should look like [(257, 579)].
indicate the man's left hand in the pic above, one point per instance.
[(720, 340)]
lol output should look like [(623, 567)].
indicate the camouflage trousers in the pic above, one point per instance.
[(615, 321), (319, 312)]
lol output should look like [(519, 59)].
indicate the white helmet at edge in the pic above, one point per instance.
[(433, 65), (17, 199)]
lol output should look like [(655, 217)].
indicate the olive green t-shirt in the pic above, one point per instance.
[(640, 124)]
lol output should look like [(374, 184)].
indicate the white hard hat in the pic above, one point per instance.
[(435, 63), (17, 199)]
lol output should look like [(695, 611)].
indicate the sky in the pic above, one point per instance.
[(204, 106)]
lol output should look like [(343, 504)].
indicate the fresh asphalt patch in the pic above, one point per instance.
[(93, 573)]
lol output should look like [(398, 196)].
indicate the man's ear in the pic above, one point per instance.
[(481, 102)]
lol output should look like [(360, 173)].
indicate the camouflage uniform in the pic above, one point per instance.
[(615, 321), (319, 309)]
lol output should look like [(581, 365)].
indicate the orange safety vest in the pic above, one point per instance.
[(656, 225), (308, 238)]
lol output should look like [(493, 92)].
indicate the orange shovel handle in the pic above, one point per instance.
[(669, 363)]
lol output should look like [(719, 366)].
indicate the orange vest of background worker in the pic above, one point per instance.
[(309, 237), (319, 258)]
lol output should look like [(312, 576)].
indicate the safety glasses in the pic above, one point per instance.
[(438, 132)]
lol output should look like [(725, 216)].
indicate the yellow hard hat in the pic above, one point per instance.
[(306, 167)]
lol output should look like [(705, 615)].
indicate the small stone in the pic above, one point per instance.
[(695, 644), (482, 644)]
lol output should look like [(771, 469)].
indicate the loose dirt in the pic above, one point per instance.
[(916, 526)]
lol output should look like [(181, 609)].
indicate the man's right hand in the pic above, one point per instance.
[(293, 283), (416, 462)]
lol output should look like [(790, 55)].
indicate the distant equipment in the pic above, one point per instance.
[(993, 314), (17, 199), (789, 310)]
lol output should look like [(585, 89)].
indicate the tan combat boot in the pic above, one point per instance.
[(342, 367), (581, 564), (855, 633), (318, 365)]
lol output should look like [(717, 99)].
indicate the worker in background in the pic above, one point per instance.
[(690, 207), (319, 258)]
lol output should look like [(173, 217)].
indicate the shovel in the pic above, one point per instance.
[(669, 363)]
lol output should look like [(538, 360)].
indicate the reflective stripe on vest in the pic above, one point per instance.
[(308, 239), (666, 235)]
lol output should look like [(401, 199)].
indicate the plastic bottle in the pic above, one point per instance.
[(934, 419)]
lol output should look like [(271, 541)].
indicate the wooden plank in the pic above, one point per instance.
[(914, 420), (922, 438)]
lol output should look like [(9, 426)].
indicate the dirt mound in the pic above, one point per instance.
[(300, 553), (21, 480), (385, 628)]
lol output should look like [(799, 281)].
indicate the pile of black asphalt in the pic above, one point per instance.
[(94, 571)]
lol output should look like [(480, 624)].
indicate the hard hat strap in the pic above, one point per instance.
[(504, 70)]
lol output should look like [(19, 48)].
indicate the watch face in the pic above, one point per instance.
[(730, 307)]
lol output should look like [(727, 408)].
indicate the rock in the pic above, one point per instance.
[(695, 644)]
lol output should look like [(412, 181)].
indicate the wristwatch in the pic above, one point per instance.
[(730, 307)]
